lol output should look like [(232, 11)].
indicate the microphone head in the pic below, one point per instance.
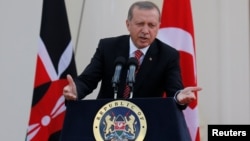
[(133, 61), (120, 60)]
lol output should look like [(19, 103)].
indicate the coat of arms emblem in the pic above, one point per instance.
[(120, 120)]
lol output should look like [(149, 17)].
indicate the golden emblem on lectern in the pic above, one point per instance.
[(120, 120)]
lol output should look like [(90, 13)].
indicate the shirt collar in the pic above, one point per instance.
[(133, 48)]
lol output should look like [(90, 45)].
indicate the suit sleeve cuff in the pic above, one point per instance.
[(176, 100)]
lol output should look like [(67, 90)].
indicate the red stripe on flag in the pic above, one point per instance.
[(41, 75), (46, 114)]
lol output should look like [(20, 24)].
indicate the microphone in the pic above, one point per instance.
[(119, 63), (133, 64)]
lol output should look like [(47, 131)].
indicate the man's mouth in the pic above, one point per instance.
[(143, 39)]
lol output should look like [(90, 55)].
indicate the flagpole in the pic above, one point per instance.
[(79, 26)]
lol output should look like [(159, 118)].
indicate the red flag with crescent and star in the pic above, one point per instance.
[(177, 30)]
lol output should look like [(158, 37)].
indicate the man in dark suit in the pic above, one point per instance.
[(159, 69)]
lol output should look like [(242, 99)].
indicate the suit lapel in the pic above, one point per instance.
[(146, 67), (123, 48)]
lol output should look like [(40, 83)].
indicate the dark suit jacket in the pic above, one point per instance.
[(159, 71)]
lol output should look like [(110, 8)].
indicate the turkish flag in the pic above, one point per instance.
[(177, 31)]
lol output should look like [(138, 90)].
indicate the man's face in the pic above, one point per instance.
[(143, 26)]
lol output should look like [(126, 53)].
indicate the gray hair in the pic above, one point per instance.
[(143, 5)]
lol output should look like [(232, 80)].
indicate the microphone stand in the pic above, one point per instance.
[(115, 90), (133, 64), (131, 85)]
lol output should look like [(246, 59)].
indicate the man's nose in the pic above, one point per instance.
[(145, 29)]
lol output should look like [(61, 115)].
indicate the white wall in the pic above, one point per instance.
[(222, 43), (19, 30)]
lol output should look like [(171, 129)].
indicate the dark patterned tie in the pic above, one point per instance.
[(138, 55)]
